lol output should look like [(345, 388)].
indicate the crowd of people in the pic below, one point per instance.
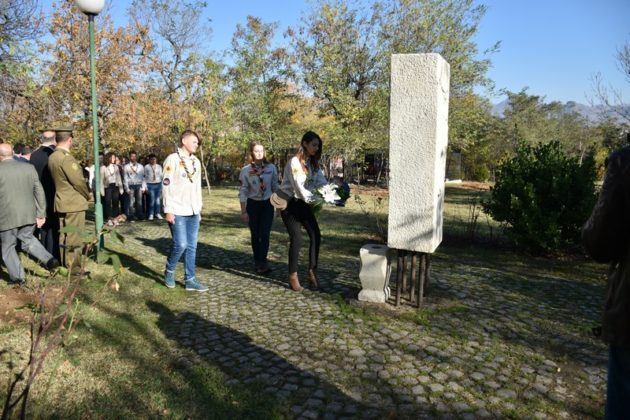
[(62, 189), (129, 186), (136, 189)]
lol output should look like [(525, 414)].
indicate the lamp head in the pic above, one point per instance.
[(90, 7)]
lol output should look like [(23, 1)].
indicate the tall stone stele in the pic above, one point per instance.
[(417, 150), (417, 159)]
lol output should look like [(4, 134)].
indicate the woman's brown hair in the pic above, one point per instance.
[(308, 137)]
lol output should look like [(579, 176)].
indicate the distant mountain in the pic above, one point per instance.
[(593, 114)]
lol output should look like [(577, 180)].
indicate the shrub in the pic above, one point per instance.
[(542, 197), (478, 173)]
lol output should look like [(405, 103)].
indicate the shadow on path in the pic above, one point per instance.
[(246, 363)]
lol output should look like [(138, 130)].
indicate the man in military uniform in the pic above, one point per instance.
[(49, 233), (71, 196)]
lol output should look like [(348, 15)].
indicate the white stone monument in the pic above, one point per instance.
[(417, 160), (418, 131)]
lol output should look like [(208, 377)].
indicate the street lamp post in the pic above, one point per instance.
[(92, 8)]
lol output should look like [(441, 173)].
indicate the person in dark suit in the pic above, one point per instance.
[(20, 214), (49, 233)]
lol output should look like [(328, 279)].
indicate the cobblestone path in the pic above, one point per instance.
[(502, 344)]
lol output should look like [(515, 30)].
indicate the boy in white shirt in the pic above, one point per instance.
[(181, 199)]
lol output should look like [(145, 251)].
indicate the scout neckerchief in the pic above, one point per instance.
[(153, 178), (182, 163), (134, 167), (256, 171), (111, 173)]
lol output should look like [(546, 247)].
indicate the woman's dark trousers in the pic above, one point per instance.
[(296, 215), (110, 207), (260, 219)]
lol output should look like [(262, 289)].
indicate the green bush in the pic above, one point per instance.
[(478, 173), (542, 197)]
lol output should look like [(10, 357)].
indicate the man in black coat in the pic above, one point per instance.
[(49, 233), (606, 237)]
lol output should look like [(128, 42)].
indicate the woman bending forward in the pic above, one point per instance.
[(302, 177)]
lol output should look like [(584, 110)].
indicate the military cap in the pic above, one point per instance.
[(46, 127), (64, 129), (62, 133)]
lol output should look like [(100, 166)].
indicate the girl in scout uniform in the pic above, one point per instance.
[(258, 181), (111, 189)]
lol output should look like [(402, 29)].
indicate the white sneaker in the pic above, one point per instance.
[(150, 217), (110, 222), (159, 216)]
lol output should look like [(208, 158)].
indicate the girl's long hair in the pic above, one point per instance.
[(302, 155)]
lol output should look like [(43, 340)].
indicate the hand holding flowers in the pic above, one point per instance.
[(327, 194)]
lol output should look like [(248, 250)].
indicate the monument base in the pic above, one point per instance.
[(374, 273)]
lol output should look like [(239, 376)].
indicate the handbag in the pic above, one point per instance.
[(279, 200)]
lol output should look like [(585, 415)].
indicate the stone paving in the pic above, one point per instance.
[(502, 345)]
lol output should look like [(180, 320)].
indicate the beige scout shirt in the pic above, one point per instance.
[(181, 185)]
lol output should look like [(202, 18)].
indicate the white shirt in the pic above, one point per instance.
[(299, 184), (134, 175), (110, 174), (258, 183), (181, 185)]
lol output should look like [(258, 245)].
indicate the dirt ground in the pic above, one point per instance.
[(16, 303), (382, 192)]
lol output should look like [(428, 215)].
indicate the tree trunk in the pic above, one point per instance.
[(205, 170)]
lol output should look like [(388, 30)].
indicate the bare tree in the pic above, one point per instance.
[(609, 97), (177, 29), (18, 23)]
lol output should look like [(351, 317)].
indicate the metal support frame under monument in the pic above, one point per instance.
[(412, 277)]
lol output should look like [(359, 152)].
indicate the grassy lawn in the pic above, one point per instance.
[(121, 359)]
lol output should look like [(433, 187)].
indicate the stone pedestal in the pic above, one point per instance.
[(417, 150), (374, 274)]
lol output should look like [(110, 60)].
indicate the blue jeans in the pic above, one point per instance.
[(154, 198), (135, 201), (184, 232), (618, 389), (260, 219)]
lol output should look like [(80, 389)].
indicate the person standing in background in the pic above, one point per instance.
[(49, 233), (135, 186), (153, 176), (111, 189)]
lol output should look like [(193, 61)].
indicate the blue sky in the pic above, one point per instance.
[(553, 47)]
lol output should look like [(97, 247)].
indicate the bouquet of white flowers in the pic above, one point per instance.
[(328, 194)]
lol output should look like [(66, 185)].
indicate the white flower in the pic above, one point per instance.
[(329, 193)]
